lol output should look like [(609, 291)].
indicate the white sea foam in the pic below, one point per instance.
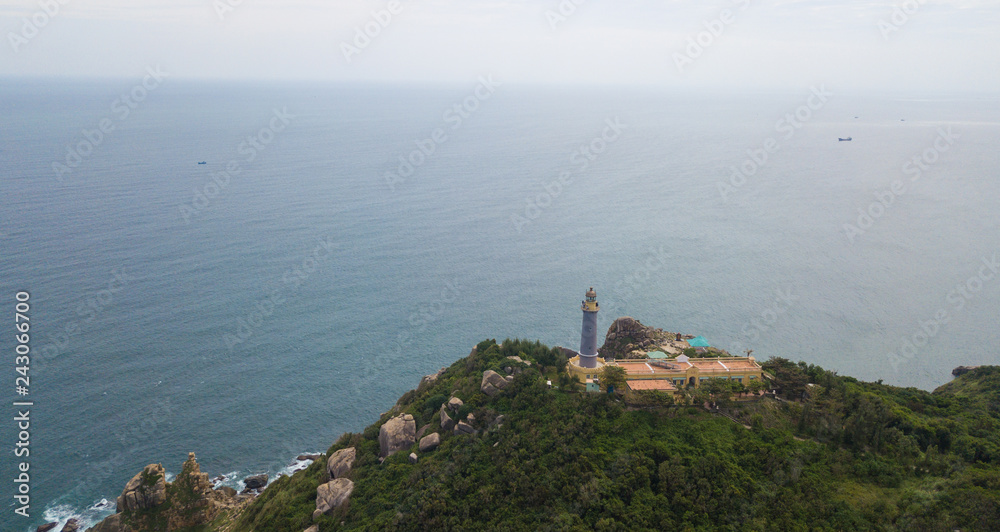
[(102, 508), (88, 517), (297, 465), (233, 479)]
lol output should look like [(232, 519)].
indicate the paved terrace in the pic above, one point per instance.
[(662, 385), (705, 366)]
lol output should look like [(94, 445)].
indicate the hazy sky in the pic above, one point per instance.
[(895, 45)]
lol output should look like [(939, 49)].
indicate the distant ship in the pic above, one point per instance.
[(848, 139), (203, 162)]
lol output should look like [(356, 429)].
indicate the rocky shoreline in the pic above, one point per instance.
[(192, 500), (149, 501)]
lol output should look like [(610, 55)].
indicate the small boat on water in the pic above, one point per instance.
[(202, 162), (848, 139)]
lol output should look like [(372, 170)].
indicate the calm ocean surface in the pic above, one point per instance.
[(300, 299)]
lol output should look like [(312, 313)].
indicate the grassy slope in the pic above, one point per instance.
[(853, 456)]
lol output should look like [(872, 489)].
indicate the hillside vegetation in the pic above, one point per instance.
[(831, 453)]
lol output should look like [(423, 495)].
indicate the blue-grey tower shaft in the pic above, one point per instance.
[(588, 336)]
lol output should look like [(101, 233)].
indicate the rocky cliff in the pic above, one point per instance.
[(500, 441), (629, 338), (149, 502)]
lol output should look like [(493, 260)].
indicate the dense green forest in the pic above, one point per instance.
[(828, 453)]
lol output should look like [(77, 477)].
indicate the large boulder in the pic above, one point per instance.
[(962, 370), (111, 523), (255, 482), (333, 495), (398, 433), (71, 526), (492, 383), (446, 422), (454, 404), (430, 442), (431, 379), (464, 428), (624, 335), (46, 527), (146, 490), (340, 462)]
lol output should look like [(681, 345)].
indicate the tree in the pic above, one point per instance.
[(737, 387), (701, 395), (719, 390), (790, 378), (613, 377), (685, 396), (755, 386)]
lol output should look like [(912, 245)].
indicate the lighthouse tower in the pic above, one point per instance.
[(588, 336)]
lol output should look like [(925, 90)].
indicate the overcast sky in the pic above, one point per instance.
[(939, 45)]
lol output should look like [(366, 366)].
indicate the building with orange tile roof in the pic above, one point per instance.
[(673, 374)]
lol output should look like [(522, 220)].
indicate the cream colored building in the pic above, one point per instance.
[(671, 375)]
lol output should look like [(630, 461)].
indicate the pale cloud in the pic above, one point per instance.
[(786, 43)]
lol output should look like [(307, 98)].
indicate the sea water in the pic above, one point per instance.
[(342, 241)]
